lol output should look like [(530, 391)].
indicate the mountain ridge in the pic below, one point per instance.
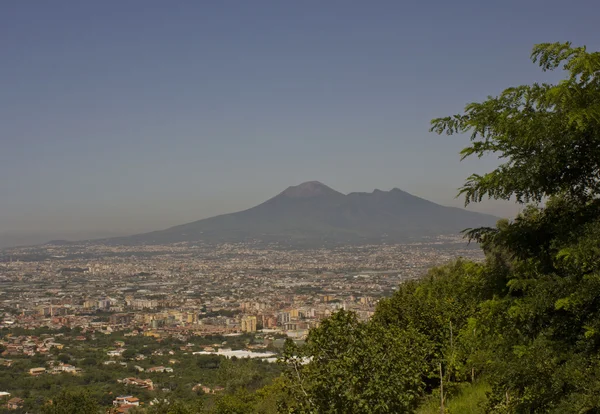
[(313, 213)]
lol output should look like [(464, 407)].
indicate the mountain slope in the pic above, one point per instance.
[(312, 212)]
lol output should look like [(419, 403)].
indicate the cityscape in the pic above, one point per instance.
[(204, 289), (147, 316)]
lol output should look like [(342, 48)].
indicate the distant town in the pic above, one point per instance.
[(200, 289)]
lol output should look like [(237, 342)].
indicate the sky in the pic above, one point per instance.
[(123, 117)]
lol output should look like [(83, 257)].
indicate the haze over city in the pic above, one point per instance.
[(126, 117)]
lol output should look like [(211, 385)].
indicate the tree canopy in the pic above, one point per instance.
[(527, 320), (548, 135)]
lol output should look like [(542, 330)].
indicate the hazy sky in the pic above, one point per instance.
[(136, 115)]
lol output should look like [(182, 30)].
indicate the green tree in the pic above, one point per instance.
[(238, 374), (89, 362), (538, 337), (241, 402), (548, 134), (71, 403), (175, 407), (351, 367), (209, 361), (129, 353), (64, 358)]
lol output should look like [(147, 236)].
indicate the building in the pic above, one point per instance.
[(160, 369), (37, 371), (50, 311), (284, 317), (248, 324), (66, 368), (143, 303), (126, 400), (121, 318), (104, 304), (207, 390), (270, 322), (147, 384), (191, 318), (14, 403), (115, 352)]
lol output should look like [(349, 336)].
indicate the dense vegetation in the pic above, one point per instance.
[(101, 381), (518, 333), (521, 329)]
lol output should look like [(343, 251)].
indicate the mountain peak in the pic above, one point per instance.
[(309, 189), (314, 214)]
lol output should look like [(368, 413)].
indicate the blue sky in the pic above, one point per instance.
[(132, 116)]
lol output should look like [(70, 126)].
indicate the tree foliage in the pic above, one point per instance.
[(548, 135), (347, 367), (68, 402), (527, 321), (539, 336)]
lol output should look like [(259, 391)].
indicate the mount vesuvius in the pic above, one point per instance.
[(313, 213)]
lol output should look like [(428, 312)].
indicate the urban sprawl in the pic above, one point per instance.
[(160, 290), (186, 291)]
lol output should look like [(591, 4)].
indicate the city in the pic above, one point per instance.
[(203, 289), (143, 322)]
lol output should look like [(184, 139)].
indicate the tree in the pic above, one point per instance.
[(129, 353), (538, 338), (89, 362), (71, 403), (64, 358), (549, 135), (439, 307), (209, 361), (240, 402), (237, 374), (348, 367), (175, 407)]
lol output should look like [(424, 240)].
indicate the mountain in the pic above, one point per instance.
[(313, 213)]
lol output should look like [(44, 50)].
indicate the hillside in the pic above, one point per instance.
[(315, 213)]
